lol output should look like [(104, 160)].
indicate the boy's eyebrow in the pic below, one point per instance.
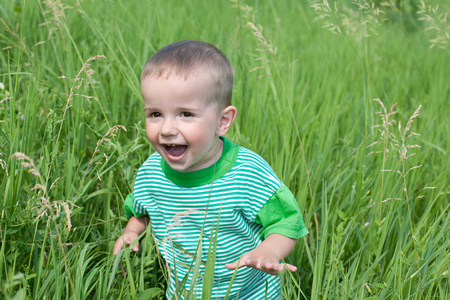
[(178, 108), (188, 108)]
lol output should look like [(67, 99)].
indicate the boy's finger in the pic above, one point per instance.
[(282, 267), (136, 247), (291, 268), (231, 266), (250, 263), (269, 266), (237, 264), (118, 245)]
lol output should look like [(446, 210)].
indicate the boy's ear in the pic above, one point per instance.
[(227, 116)]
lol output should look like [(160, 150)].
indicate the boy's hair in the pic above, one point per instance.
[(189, 57)]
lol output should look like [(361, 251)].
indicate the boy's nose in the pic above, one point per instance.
[(168, 127)]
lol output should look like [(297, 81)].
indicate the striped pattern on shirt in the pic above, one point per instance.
[(179, 213)]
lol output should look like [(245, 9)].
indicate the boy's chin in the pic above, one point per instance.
[(176, 166), (182, 167)]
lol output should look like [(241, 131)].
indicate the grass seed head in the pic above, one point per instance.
[(4, 166), (27, 163)]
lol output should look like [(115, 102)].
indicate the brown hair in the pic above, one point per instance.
[(188, 57)]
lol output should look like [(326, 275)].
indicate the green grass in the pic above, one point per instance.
[(307, 108)]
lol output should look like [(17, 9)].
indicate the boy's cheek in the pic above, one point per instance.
[(152, 136)]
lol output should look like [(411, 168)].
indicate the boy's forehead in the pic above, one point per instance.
[(200, 84), (201, 71), (199, 79)]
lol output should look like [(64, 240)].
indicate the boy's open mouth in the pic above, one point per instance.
[(175, 151)]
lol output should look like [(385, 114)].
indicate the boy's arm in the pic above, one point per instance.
[(134, 228), (268, 255), (282, 224)]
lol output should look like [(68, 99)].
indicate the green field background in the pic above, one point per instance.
[(72, 137)]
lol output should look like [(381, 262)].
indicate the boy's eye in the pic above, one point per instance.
[(186, 114), (153, 115)]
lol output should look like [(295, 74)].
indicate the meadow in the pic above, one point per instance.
[(346, 101)]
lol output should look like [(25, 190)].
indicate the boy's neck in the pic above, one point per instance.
[(219, 150)]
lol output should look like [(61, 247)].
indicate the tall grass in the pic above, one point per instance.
[(72, 139)]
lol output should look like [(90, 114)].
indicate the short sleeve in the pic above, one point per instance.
[(129, 207), (281, 215)]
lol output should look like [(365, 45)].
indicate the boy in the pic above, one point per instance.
[(197, 176)]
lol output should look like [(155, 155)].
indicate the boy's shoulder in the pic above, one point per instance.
[(253, 159), (251, 173), (254, 165)]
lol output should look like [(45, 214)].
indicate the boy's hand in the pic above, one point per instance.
[(134, 228), (261, 261), (267, 256), (126, 239)]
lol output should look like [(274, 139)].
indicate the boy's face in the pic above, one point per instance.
[(181, 124)]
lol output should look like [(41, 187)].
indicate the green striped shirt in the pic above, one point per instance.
[(235, 188)]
